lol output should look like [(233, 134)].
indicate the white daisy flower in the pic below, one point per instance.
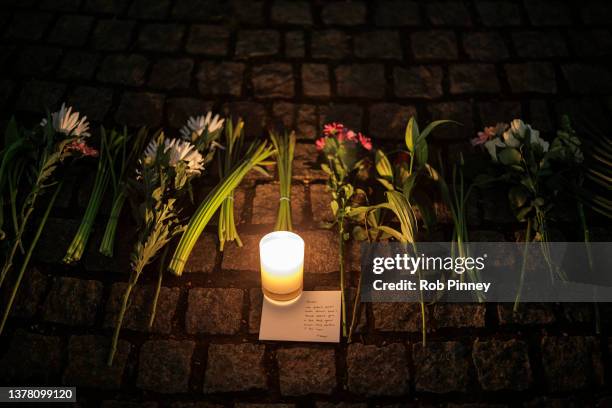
[(199, 124), (67, 122), (183, 151), (150, 152)]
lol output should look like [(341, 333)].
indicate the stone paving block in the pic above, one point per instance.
[(171, 74), (112, 34), (389, 120), (204, 254), (459, 315), (391, 376), (315, 80), (441, 367), (144, 9), (434, 45), (59, 5), (461, 112), (322, 246), (214, 310), (485, 46), (257, 43), (36, 60), (548, 13), (161, 37), (196, 404), (255, 305), (254, 116), (347, 114), (201, 10), (220, 78), (527, 314), (73, 301), (87, 362), (540, 116), (105, 6), (306, 371), (532, 77), (330, 44), (537, 44), (165, 366), (123, 69), (235, 368), (360, 80), (78, 65), (498, 13), (397, 13), (31, 357), (40, 96), (578, 312), (326, 404), (208, 40), (273, 80), (304, 163), (94, 102), (502, 364), (449, 13), (128, 404), (400, 317), (30, 294), (291, 12), (473, 78), (140, 109), (264, 405), (588, 79), (139, 309), (418, 82), (71, 30), (571, 363), (266, 202), (294, 44), (378, 44), (344, 14), (499, 112), (591, 43), (320, 199), (28, 25)]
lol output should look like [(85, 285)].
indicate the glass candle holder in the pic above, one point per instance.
[(281, 256)]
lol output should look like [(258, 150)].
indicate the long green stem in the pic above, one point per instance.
[(107, 246), (28, 256), (121, 315), (79, 242), (341, 258), (8, 263), (523, 265), (160, 277)]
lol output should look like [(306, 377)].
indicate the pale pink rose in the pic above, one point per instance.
[(483, 137)]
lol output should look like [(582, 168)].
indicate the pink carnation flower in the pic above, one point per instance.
[(320, 143), (332, 129), (81, 147), (365, 141), (484, 136), (350, 135)]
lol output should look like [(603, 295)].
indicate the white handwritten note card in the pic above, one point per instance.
[(315, 316)]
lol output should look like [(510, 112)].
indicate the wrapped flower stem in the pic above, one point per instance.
[(227, 160), (285, 148), (254, 157), (118, 178)]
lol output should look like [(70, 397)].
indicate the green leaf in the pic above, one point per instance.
[(509, 156), (393, 232), (386, 184), (422, 152), (11, 134), (518, 196), (434, 125), (383, 166), (412, 134), (334, 207)]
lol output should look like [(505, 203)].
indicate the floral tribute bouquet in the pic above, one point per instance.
[(345, 161), (29, 165), (534, 171), (165, 171)]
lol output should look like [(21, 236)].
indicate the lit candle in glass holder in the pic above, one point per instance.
[(281, 255)]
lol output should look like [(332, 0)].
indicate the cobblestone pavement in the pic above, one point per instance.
[(298, 64)]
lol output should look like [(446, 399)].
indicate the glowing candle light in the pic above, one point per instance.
[(281, 255)]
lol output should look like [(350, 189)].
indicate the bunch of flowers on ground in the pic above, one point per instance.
[(345, 161), (30, 163)]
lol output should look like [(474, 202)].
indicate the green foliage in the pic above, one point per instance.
[(284, 146)]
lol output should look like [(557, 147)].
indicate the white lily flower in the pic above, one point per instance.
[(183, 151), (518, 128), (510, 140), (492, 146), (69, 123), (199, 124)]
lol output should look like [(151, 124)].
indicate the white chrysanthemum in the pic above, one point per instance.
[(69, 123), (536, 139), (198, 124), (150, 153), (183, 151)]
